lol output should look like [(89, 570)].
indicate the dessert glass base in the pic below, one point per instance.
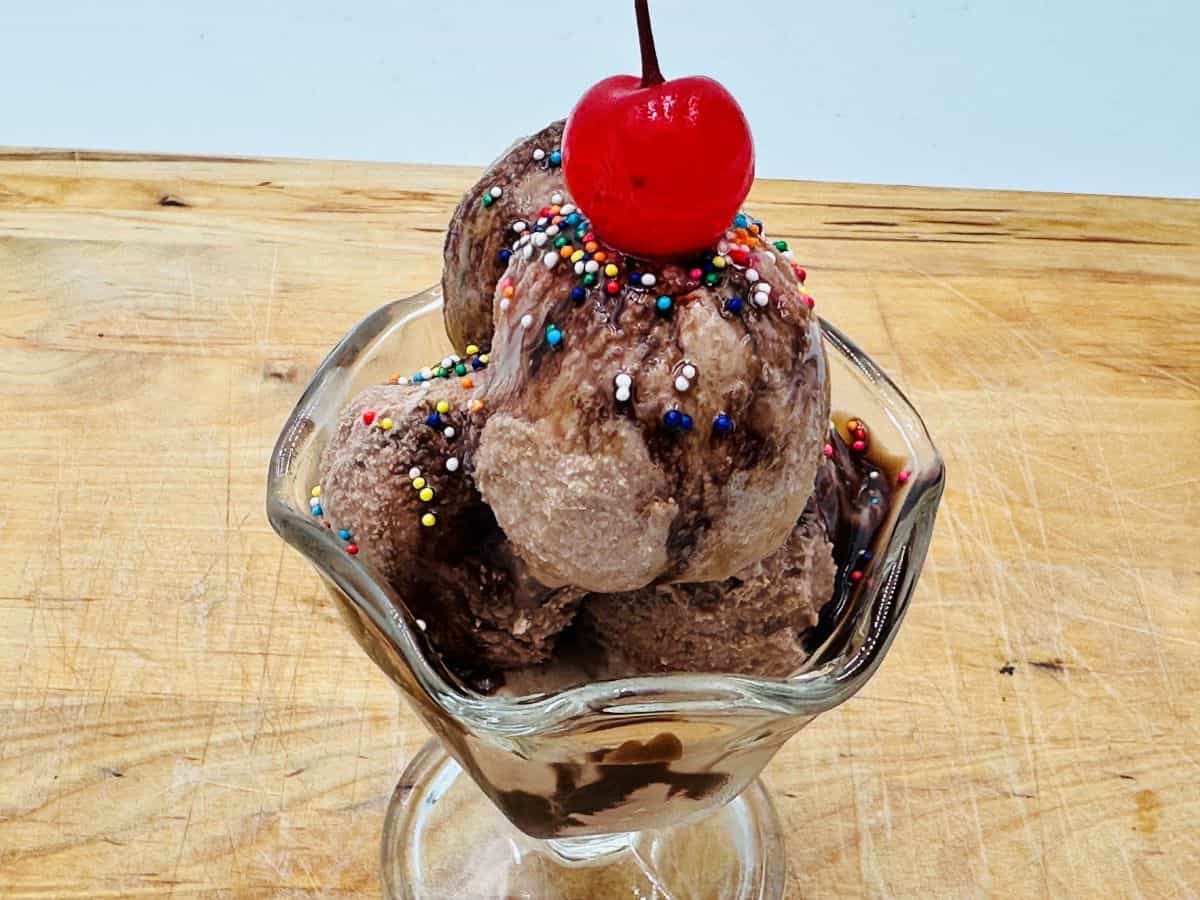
[(444, 838), (632, 787)]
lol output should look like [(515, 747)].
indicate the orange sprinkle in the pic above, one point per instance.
[(394, 379), (468, 382), (508, 290), (590, 246), (476, 405), (556, 220), (566, 251), (754, 229), (555, 210), (601, 256), (741, 234)]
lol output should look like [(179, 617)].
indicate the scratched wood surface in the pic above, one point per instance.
[(181, 713)]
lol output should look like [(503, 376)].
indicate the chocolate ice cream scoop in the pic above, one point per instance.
[(649, 422), (475, 253), (751, 623), (396, 486)]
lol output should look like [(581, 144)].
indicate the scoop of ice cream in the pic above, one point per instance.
[(517, 183), (397, 487), (649, 422), (751, 623)]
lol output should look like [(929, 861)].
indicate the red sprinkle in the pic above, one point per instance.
[(739, 256), (613, 286), (326, 524), (589, 237), (856, 575), (352, 549), (695, 274), (903, 476), (810, 301), (828, 450), (368, 417), (858, 446), (801, 274), (860, 433)]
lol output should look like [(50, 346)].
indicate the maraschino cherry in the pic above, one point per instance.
[(660, 167)]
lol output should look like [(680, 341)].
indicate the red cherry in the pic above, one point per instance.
[(659, 167)]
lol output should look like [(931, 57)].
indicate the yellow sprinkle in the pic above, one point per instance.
[(418, 482), (385, 424), (718, 262), (443, 406), (472, 349), (610, 270), (429, 520), (577, 256), (426, 494), (316, 492), (484, 359)]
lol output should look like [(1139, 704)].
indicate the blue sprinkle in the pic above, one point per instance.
[(874, 501), (553, 336), (685, 422), (578, 293), (418, 378), (740, 220), (572, 219), (433, 420), (663, 303), (866, 555), (344, 534), (635, 277), (672, 418), (734, 305), (722, 424), (316, 511), (477, 363), (556, 158), (504, 255)]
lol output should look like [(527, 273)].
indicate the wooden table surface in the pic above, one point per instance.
[(182, 713)]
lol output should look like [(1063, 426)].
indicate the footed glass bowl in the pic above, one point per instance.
[(637, 787)]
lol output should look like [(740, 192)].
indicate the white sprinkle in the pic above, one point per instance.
[(622, 395), (539, 239), (447, 362), (763, 288), (456, 357), (579, 267), (504, 305), (789, 255), (526, 320), (873, 475), (550, 260), (448, 431), (767, 258), (623, 379), (722, 247), (648, 280), (452, 464), (527, 251), (518, 227), (403, 379), (539, 154), (761, 299), (421, 624), (752, 275), (496, 192), (568, 209), (556, 198), (689, 371), (314, 502), (427, 373), (552, 231), (414, 472), (592, 266), (682, 384), (543, 220)]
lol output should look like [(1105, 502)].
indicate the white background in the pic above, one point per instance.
[(1069, 95)]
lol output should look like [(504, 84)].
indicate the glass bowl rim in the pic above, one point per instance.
[(808, 693)]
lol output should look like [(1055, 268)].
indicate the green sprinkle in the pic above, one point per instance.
[(460, 369), (488, 199), (560, 242), (781, 246), (589, 279), (711, 278)]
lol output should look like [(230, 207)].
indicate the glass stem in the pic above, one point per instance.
[(585, 850)]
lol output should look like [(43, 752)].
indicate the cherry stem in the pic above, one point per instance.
[(651, 73)]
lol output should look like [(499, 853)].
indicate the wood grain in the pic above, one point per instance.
[(182, 715)]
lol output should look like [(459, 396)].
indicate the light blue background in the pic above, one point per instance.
[(1045, 94)]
